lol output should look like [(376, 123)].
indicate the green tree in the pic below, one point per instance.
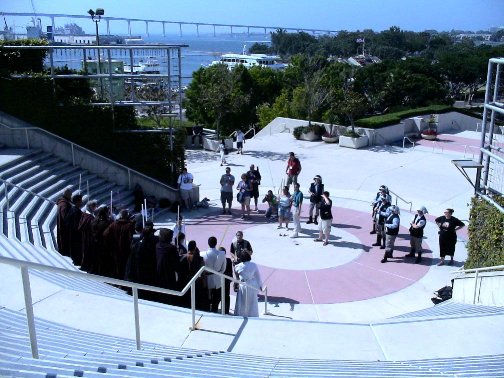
[(220, 98), (353, 105)]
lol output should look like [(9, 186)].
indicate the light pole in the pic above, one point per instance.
[(96, 17)]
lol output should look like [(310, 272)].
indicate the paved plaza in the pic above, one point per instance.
[(343, 281)]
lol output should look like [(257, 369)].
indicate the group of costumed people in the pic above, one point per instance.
[(126, 247), (386, 222)]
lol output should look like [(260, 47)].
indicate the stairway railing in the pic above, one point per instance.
[(191, 285)]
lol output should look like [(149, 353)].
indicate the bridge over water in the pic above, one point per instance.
[(214, 27)]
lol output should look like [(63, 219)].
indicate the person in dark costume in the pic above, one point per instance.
[(141, 267), (167, 260), (118, 237), (448, 226), (64, 205), (104, 261), (189, 265), (89, 260), (72, 221)]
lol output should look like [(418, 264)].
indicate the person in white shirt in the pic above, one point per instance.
[(240, 139), (246, 299), (222, 152), (185, 185), (216, 260)]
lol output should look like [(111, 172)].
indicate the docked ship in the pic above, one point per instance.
[(251, 60), (149, 66)]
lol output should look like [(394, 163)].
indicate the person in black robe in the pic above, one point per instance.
[(104, 261), (189, 265), (167, 260), (448, 225), (89, 260), (64, 205), (141, 266), (118, 237), (72, 221)]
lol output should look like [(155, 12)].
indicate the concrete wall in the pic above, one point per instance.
[(452, 121), (19, 134)]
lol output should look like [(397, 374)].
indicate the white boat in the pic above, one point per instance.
[(150, 66), (251, 60)]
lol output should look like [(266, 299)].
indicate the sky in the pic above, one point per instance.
[(351, 15)]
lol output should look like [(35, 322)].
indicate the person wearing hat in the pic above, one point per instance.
[(416, 233), (316, 190), (391, 230), (382, 191), (381, 213)]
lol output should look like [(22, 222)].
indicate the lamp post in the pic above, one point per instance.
[(96, 17)]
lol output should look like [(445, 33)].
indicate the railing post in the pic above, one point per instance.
[(29, 311), (475, 286), (129, 179), (193, 306), (73, 154), (223, 295), (27, 139), (137, 318), (266, 301), (6, 195)]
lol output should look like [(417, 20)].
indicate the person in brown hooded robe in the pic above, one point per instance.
[(104, 260), (64, 205), (118, 237), (89, 260)]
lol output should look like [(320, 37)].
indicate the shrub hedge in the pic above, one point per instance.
[(486, 235), (383, 120)]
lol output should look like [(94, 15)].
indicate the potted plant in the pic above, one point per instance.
[(332, 135), (310, 133), (353, 105), (431, 132)]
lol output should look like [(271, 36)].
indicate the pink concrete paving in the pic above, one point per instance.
[(451, 142), (362, 278)]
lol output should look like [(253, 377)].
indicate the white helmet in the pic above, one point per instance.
[(395, 209), (422, 209)]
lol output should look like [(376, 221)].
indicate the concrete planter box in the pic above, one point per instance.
[(330, 139), (350, 142)]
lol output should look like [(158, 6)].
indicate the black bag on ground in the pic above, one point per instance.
[(442, 295)]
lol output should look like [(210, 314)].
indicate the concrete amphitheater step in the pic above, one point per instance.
[(19, 174), (28, 252), (23, 162)]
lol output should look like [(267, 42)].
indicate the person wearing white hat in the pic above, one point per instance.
[(391, 230), (417, 226)]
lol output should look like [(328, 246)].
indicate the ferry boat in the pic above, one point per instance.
[(251, 60), (150, 66)]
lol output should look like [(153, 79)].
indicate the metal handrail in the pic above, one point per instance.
[(409, 140), (477, 271), (245, 134), (73, 146), (249, 130), (24, 190), (25, 265), (402, 199)]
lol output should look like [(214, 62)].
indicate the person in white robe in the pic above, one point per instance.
[(248, 273)]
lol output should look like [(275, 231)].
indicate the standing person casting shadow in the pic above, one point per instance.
[(244, 190), (448, 227), (246, 300), (326, 218)]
